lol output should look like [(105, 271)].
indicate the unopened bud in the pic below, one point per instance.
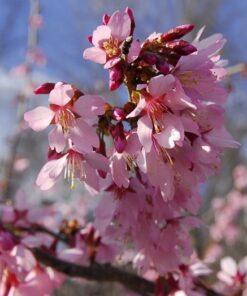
[(177, 32), (181, 47), (129, 11), (119, 138), (116, 73), (90, 38), (113, 85), (105, 19), (163, 67), (45, 88), (150, 58)]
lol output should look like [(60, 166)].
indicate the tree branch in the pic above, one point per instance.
[(97, 272), (107, 273)]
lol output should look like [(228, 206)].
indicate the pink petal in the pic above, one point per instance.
[(91, 179), (163, 180), (39, 118), (138, 109), (112, 62), (176, 99), (134, 51), (172, 134), (95, 54), (161, 84), (50, 172), (90, 106), (84, 136), (104, 212), (119, 171), (133, 144), (167, 188), (57, 139), (144, 131), (168, 137), (120, 25), (101, 34), (229, 266), (97, 161), (221, 138), (61, 94)]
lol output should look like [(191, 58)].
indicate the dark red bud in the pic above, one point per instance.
[(129, 11), (90, 38), (118, 114), (119, 138), (116, 73), (150, 58), (163, 67), (44, 89), (105, 19), (181, 47), (177, 32), (113, 85)]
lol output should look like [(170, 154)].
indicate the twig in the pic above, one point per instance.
[(97, 272), (39, 228)]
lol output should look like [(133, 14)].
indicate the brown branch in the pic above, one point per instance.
[(39, 228), (108, 273), (97, 272)]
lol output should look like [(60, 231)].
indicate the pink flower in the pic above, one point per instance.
[(123, 162), (71, 118), (163, 92), (108, 39), (89, 247), (233, 274), (200, 72), (76, 166)]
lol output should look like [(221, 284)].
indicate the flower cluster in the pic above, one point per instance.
[(25, 226), (149, 156)]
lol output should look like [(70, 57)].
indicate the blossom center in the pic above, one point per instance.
[(155, 107), (74, 168), (188, 78), (111, 47), (66, 119)]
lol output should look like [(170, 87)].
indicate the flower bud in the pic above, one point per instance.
[(118, 114), (116, 73), (129, 11), (150, 58), (45, 88), (119, 138), (116, 76), (181, 47), (163, 67), (90, 38), (177, 32), (113, 85), (105, 19)]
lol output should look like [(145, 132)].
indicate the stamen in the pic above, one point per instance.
[(189, 79), (74, 168), (111, 47), (66, 119), (130, 161)]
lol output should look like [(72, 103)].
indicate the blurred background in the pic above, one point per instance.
[(43, 41)]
